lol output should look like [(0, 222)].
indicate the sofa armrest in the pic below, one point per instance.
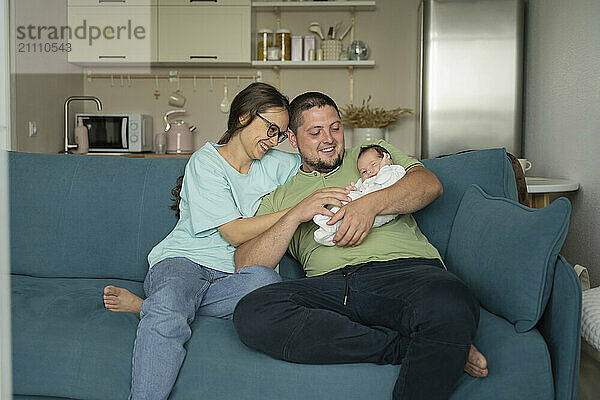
[(560, 326)]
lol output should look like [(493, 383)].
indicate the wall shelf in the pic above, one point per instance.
[(279, 6), (313, 64), (307, 5)]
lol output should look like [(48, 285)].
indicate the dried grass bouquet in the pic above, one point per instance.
[(367, 117)]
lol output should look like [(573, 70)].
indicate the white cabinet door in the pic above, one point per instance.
[(205, 34), (113, 34), (202, 2), (111, 3)]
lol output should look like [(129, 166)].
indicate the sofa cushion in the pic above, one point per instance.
[(69, 214), (518, 363), (65, 343), (506, 252), (220, 367), (290, 268), (491, 169)]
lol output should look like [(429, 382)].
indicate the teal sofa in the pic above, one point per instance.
[(79, 223)]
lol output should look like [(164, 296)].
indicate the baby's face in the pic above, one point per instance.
[(369, 163)]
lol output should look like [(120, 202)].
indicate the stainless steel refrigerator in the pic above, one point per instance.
[(470, 75)]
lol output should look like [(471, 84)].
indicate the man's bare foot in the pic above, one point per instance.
[(121, 300), (476, 365)]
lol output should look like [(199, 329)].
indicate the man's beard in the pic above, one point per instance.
[(321, 166)]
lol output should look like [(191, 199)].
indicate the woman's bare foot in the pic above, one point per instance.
[(476, 365), (121, 300)]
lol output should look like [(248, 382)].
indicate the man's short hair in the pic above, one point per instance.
[(306, 101)]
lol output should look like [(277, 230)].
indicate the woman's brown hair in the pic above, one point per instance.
[(258, 97)]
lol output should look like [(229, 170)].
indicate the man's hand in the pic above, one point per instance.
[(358, 217), (316, 203)]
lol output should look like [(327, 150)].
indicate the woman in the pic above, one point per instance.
[(192, 270)]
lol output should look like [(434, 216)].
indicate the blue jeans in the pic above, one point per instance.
[(177, 290), (406, 311)]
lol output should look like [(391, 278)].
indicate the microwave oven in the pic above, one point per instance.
[(118, 133)]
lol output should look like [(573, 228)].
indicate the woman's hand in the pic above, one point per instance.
[(316, 203)]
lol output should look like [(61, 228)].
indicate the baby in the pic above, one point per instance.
[(376, 172)]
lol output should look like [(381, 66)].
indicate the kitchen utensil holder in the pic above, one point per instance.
[(331, 49)]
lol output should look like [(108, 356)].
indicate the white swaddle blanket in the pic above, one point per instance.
[(387, 176)]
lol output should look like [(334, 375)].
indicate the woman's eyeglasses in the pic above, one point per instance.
[(273, 130)]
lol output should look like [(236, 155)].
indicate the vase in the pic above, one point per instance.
[(360, 135)]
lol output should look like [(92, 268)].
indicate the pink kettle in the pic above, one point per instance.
[(179, 135)]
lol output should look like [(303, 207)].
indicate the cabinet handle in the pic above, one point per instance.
[(123, 57), (205, 57), (203, 1), (112, 1)]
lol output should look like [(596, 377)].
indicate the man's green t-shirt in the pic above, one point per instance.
[(400, 238)]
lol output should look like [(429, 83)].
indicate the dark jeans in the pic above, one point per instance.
[(406, 311)]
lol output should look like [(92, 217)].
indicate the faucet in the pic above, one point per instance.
[(67, 102)]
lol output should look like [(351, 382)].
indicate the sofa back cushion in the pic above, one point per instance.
[(506, 253), (89, 217), (97, 217), (491, 169)]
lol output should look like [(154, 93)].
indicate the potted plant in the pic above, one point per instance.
[(369, 123)]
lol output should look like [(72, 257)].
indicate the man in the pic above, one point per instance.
[(380, 296)]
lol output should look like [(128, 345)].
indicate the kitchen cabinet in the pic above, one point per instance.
[(314, 6), (174, 31), (204, 33), (212, 3), (111, 3), (112, 33), (185, 31)]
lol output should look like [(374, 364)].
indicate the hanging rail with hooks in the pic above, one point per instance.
[(173, 77)]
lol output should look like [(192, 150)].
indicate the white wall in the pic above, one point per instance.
[(562, 113), (41, 98), (41, 81)]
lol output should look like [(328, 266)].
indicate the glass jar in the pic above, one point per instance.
[(264, 39), (284, 42), (274, 54), (160, 143)]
